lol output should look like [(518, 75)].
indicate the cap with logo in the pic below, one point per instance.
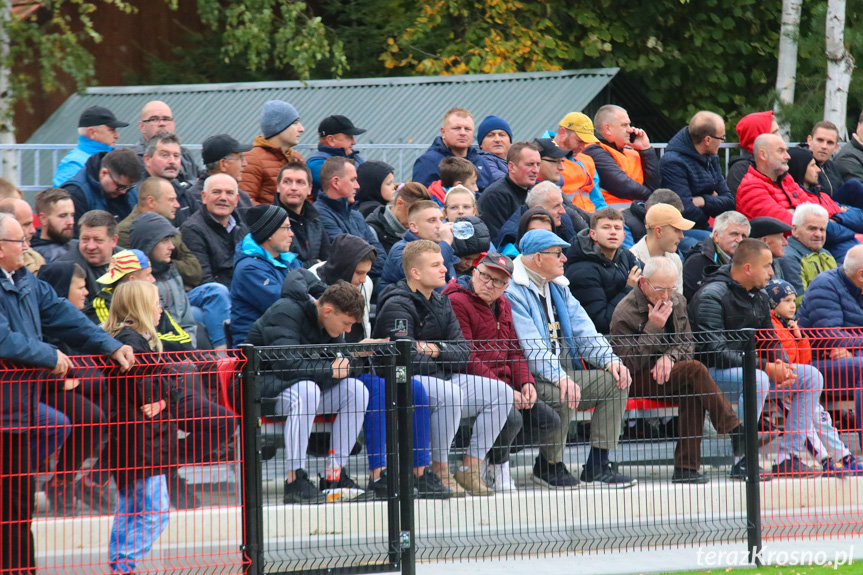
[(221, 146), (666, 215), (332, 125), (99, 116), (123, 263), (581, 125), (498, 262)]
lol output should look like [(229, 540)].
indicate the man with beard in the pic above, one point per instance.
[(57, 216)]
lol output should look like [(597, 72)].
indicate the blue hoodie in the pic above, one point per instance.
[(257, 284), (72, 162)]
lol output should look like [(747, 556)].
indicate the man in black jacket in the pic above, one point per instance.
[(94, 250), (222, 154), (308, 384), (704, 258), (732, 299), (293, 185), (411, 308), (501, 199)]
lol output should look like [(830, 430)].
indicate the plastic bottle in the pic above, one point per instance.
[(333, 472), (462, 230)]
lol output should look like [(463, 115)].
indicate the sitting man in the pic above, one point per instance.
[(485, 316), (413, 309), (663, 366), (106, 182), (556, 334), (729, 229), (336, 138), (580, 180), (627, 166), (549, 196), (97, 132), (57, 216), (22, 212), (599, 270), (502, 198), (98, 242), (732, 299), (222, 154), (306, 387), (261, 264), (805, 255), (772, 232), (665, 228)]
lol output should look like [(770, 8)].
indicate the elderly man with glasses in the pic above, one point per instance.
[(658, 352), (556, 334)]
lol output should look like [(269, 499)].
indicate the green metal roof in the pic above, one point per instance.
[(393, 110)]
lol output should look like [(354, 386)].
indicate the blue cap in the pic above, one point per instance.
[(778, 290), (276, 116), (539, 240), (490, 123)]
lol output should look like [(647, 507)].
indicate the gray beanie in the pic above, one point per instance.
[(276, 116), (264, 220)]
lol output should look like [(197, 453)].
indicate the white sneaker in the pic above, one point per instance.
[(499, 477)]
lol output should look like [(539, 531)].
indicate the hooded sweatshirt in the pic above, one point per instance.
[(59, 275), (798, 164), (748, 128), (347, 251), (370, 176), (149, 229)]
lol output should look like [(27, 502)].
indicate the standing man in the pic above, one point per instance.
[(311, 242), (281, 131), (336, 135), (157, 118), (494, 137), (162, 159), (22, 212), (97, 132)]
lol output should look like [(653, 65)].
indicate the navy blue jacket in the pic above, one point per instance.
[(691, 174), (426, 168), (316, 160), (29, 310), (833, 301), (87, 193), (338, 218)]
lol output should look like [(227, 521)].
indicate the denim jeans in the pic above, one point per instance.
[(211, 306), (730, 381), (142, 516), (51, 429)]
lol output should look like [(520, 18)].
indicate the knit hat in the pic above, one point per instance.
[(276, 116), (490, 123), (540, 240), (370, 176), (779, 290), (122, 263), (264, 220)]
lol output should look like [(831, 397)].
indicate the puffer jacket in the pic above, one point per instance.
[(759, 196), (798, 350), (213, 245), (339, 218), (737, 168), (849, 159), (311, 242), (405, 314), (495, 351), (426, 167), (720, 308), (597, 282), (803, 265), (256, 284), (833, 301), (72, 162), (700, 261), (633, 217), (87, 193), (50, 250), (263, 163), (690, 174)]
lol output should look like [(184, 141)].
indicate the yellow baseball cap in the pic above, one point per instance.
[(581, 125), (122, 263), (666, 215)]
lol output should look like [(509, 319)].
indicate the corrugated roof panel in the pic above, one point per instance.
[(393, 110)]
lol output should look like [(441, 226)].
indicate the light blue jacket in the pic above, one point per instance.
[(72, 162), (577, 330)]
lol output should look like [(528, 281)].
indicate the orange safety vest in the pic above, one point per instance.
[(578, 182), (630, 162)]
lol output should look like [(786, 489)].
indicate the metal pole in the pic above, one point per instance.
[(750, 418), (253, 518), (393, 463), (404, 399)]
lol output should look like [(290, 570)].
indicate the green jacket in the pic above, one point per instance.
[(806, 263)]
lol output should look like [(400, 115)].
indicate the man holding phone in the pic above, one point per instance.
[(628, 168)]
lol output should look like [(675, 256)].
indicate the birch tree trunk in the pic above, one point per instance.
[(840, 65), (9, 164), (786, 72)]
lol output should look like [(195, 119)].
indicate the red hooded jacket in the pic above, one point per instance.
[(495, 351), (759, 196), (751, 126)]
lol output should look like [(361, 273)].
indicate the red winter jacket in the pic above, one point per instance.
[(759, 196), (495, 350)]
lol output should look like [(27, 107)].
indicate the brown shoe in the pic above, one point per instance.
[(471, 480), (450, 482)]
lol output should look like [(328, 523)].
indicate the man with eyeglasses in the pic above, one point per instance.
[(664, 227), (691, 168), (157, 118), (222, 154), (22, 212), (556, 335), (97, 132), (106, 182), (261, 264), (659, 354), (485, 316)]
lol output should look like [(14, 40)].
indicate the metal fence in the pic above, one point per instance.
[(32, 166)]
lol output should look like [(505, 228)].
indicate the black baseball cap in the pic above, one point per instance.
[(220, 146), (99, 116), (548, 149), (498, 262), (332, 125)]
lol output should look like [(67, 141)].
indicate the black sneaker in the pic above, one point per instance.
[(182, 496), (344, 482), (794, 467), (378, 489), (303, 491), (606, 476), (553, 475), (691, 476), (429, 486), (738, 472), (738, 441)]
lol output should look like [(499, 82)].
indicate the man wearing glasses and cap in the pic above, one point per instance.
[(97, 132), (336, 135)]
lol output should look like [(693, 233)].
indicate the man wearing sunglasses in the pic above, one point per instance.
[(106, 183)]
